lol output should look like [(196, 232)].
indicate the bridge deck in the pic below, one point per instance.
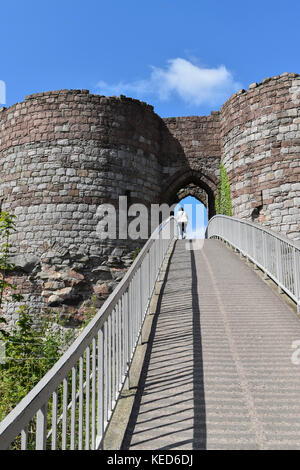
[(218, 371)]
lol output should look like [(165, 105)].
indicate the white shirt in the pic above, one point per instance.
[(182, 217)]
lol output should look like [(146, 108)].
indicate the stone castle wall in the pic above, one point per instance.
[(200, 146), (64, 153), (260, 135)]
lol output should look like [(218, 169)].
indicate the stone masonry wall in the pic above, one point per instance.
[(199, 150), (260, 131), (64, 153)]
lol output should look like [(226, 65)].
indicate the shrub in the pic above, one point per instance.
[(223, 200), (29, 354)]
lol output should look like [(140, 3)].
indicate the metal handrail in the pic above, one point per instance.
[(276, 255), (102, 355)]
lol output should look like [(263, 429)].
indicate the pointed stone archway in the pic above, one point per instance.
[(191, 183), (195, 191)]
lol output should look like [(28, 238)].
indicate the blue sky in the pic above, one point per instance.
[(183, 57)]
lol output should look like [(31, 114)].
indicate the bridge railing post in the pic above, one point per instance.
[(264, 254), (278, 263), (296, 276), (41, 428)]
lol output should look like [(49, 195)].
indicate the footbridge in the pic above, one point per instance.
[(221, 369)]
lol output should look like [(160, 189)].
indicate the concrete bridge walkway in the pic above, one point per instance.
[(218, 371)]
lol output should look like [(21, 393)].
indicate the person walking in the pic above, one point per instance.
[(182, 220)]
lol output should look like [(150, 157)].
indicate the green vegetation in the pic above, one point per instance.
[(29, 355), (7, 225), (223, 200), (29, 352), (136, 253)]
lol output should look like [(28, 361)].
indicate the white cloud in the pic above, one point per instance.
[(192, 83)]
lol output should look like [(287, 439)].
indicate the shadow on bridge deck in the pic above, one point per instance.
[(169, 410), (217, 372)]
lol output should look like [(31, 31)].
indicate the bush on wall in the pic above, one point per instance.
[(223, 200)]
